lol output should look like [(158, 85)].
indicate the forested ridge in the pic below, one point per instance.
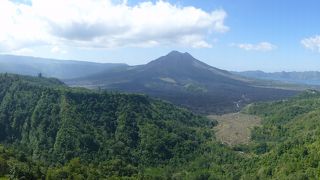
[(51, 131), (289, 140)]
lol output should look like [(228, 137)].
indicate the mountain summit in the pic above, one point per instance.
[(183, 67), (184, 80), (177, 53), (174, 58)]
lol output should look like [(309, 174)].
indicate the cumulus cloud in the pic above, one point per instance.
[(19, 27), (105, 24), (262, 46), (312, 43)]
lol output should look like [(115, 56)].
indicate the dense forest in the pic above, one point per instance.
[(289, 140), (51, 131)]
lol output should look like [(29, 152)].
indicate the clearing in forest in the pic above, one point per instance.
[(235, 128)]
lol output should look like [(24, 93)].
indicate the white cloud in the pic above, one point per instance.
[(262, 46), (19, 27), (312, 43), (23, 51), (105, 24), (58, 50)]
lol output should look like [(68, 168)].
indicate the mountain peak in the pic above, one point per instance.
[(177, 53), (174, 59)]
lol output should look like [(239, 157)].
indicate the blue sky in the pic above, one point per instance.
[(256, 35)]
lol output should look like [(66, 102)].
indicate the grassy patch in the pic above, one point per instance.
[(235, 128)]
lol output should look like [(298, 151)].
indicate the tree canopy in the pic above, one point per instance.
[(51, 131)]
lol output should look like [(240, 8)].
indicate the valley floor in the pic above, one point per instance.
[(235, 128)]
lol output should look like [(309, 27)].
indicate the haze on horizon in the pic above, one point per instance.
[(238, 35)]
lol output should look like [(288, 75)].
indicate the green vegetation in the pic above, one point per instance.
[(80, 134), (50, 131), (289, 138), (195, 88)]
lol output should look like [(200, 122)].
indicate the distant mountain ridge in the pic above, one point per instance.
[(184, 80), (62, 69), (306, 77)]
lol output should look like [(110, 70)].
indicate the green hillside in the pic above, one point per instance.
[(51, 131), (76, 133), (288, 142)]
